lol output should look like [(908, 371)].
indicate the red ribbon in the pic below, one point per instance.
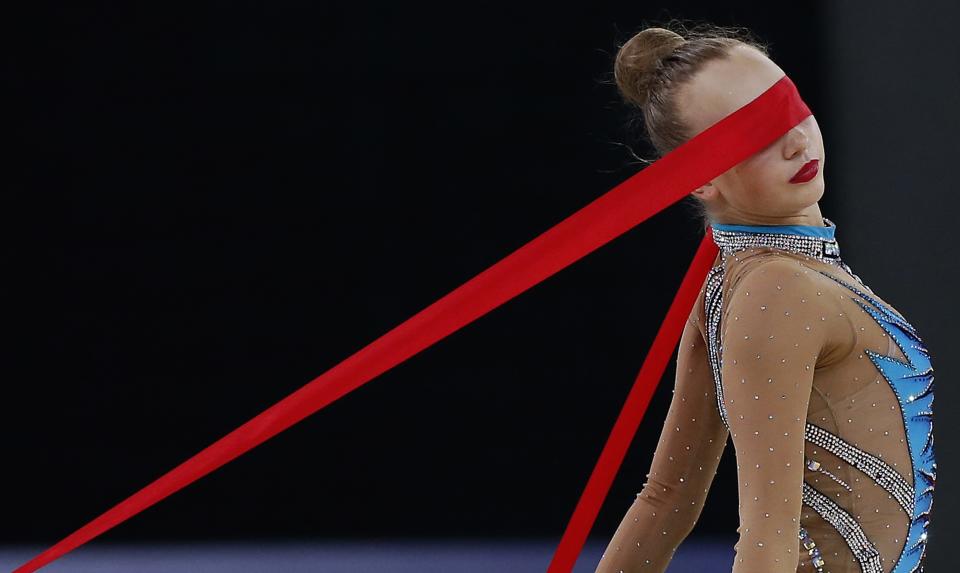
[(625, 428), (664, 182)]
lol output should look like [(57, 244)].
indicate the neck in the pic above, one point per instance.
[(810, 216)]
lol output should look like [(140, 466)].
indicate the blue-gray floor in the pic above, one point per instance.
[(694, 556)]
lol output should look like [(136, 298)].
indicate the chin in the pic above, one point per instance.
[(810, 192), (818, 187)]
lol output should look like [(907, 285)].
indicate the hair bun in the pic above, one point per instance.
[(637, 61)]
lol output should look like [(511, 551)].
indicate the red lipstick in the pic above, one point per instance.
[(807, 172)]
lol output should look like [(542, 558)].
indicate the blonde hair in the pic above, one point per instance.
[(652, 65)]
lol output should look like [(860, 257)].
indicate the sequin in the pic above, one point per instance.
[(881, 472), (863, 550), (854, 466)]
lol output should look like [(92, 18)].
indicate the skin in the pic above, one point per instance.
[(757, 190)]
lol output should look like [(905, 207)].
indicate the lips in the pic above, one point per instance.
[(807, 172)]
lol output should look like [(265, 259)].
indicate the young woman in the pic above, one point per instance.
[(824, 388)]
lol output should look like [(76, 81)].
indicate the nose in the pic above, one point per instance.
[(796, 142)]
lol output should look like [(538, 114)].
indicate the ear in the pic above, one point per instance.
[(705, 192)]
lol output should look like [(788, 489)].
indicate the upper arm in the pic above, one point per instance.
[(770, 347), (691, 440)]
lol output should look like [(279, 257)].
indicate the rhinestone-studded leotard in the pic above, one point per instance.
[(826, 392)]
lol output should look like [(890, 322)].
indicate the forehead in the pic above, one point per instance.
[(725, 85)]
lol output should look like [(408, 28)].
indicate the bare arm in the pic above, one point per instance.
[(683, 467), (771, 342)]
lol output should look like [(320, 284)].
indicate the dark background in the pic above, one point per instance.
[(206, 208)]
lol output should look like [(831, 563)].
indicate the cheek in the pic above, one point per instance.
[(757, 177)]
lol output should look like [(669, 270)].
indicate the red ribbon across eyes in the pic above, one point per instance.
[(664, 182)]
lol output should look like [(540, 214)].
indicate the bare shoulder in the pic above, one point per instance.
[(780, 291), (774, 272)]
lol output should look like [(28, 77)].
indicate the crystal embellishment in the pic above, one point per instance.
[(812, 550), (863, 550), (878, 470), (821, 248), (911, 382)]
